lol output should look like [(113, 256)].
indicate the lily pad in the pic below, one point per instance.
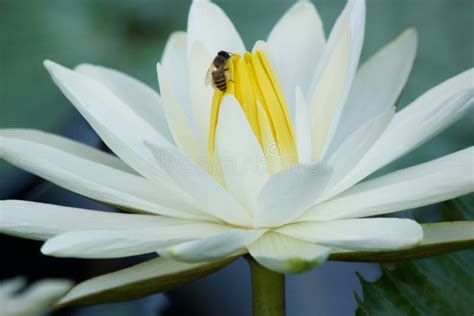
[(441, 285)]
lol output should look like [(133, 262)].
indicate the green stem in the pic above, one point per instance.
[(268, 290)]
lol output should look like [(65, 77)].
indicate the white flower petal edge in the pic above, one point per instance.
[(241, 156), (175, 65), (111, 119), (302, 128), (332, 82), (356, 145), (35, 220), (372, 234), (201, 94), (179, 122), (35, 299), (377, 85), (291, 192), (210, 25), (10, 286), (139, 97), (422, 119), (435, 181), (213, 247), (126, 242), (284, 254), (296, 43), (91, 173), (211, 197)]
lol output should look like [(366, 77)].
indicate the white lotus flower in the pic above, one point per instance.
[(272, 167), (33, 300)]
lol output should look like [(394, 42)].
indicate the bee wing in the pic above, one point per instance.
[(208, 79)]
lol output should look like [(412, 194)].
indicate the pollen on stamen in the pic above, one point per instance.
[(251, 81)]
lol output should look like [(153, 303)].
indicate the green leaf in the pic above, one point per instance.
[(149, 277), (441, 285)]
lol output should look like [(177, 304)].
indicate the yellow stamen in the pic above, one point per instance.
[(255, 87)]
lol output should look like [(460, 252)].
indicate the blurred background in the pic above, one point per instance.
[(130, 36)]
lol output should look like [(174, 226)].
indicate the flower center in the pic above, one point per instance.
[(254, 85)]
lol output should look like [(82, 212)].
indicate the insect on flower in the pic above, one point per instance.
[(218, 73), (298, 91)]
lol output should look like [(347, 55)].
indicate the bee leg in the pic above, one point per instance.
[(227, 76)]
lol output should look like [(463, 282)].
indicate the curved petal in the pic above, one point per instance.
[(127, 242), (36, 298), (139, 97), (303, 134), (210, 25), (435, 181), (241, 156), (200, 186), (120, 128), (356, 145), (332, 82), (175, 64), (371, 234), (377, 85), (422, 119), (438, 238), (284, 254), (43, 221), (179, 122), (297, 42), (201, 94), (11, 286), (289, 193), (213, 247), (91, 173)]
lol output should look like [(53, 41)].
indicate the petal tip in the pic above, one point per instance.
[(49, 65), (46, 249)]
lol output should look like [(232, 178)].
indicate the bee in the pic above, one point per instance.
[(218, 73)]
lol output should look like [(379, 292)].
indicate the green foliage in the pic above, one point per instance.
[(441, 285)]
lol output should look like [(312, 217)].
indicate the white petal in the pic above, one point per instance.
[(201, 94), (175, 65), (284, 254), (179, 123), (289, 193), (119, 127), (331, 85), (36, 298), (91, 173), (209, 24), (43, 221), (10, 286), (438, 238), (424, 118), (139, 97), (200, 186), (303, 133), (356, 145), (45, 292), (371, 234), (214, 247), (127, 242), (435, 181), (377, 85), (243, 162), (297, 43)]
